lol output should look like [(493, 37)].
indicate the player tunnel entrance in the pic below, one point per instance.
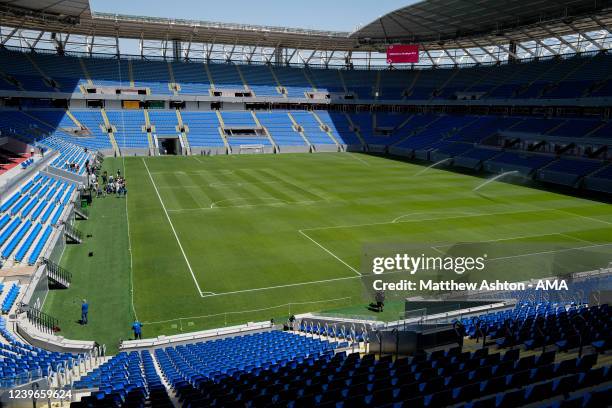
[(169, 146)]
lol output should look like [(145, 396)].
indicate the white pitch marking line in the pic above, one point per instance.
[(276, 200), (583, 216), (330, 252), (240, 184), (438, 250), (549, 252), (577, 239), (419, 220), (273, 204), (250, 311), (196, 157), (516, 237), (289, 285), (395, 221), (359, 159), (127, 222), (173, 229)]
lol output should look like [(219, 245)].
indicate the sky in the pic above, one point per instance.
[(332, 15)]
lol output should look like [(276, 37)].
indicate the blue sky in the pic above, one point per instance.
[(340, 15)]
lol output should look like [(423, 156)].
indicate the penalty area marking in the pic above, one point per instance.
[(250, 311), (474, 215), (359, 159), (276, 200), (397, 220), (330, 252), (271, 204), (178, 241)]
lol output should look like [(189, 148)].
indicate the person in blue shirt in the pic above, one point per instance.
[(137, 328), (84, 311)]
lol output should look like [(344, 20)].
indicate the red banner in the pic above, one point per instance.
[(402, 54)]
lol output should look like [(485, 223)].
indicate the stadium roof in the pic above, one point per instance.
[(434, 21), (429, 22), (73, 8)]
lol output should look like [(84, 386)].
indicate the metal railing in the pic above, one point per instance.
[(72, 232), (82, 211), (41, 320), (56, 272), (22, 378)]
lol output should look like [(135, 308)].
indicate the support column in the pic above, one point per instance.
[(177, 46), (278, 56), (512, 52)]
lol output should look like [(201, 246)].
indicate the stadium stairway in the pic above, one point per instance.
[(148, 129), (221, 133), (268, 134), (364, 145), (111, 133), (326, 128), (183, 131), (300, 130)]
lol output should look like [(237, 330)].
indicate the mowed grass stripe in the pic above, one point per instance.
[(206, 180), (241, 195), (197, 192), (293, 184), (272, 190), (185, 197), (175, 197)]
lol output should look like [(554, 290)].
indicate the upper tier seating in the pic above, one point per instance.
[(225, 76), (570, 77), (191, 78), (260, 80), (151, 74)]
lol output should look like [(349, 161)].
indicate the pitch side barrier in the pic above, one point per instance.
[(66, 175), (362, 328), (205, 335), (575, 296)]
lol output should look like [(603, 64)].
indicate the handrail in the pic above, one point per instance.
[(40, 320), (580, 332), (56, 272)]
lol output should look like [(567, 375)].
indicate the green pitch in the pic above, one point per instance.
[(214, 241)]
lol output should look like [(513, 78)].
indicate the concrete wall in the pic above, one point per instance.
[(294, 149), (50, 342), (135, 152), (66, 175), (326, 148)]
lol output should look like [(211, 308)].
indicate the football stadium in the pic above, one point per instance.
[(414, 213)]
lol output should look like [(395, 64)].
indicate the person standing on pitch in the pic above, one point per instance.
[(137, 328), (84, 311)]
